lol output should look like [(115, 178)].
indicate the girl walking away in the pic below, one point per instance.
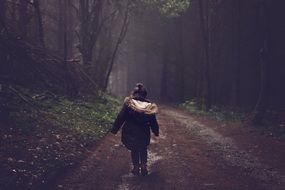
[(137, 118)]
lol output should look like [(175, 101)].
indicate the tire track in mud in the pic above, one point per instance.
[(229, 151)]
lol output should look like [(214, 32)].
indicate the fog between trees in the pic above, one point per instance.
[(220, 54)]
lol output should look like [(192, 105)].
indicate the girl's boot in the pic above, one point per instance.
[(136, 170), (144, 170)]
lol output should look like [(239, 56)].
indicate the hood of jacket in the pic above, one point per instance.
[(141, 106)]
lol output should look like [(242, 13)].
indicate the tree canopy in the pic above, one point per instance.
[(169, 8)]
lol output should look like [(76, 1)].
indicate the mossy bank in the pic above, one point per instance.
[(45, 134)]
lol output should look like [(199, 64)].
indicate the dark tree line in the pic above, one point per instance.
[(220, 54), (83, 32), (216, 53)]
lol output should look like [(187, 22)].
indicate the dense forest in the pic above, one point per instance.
[(213, 55), (217, 53), (223, 54)]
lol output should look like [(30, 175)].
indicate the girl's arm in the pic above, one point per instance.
[(154, 125), (121, 118)]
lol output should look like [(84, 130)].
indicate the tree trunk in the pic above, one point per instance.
[(23, 19), (84, 12), (40, 22), (121, 37), (90, 25), (2, 15), (262, 102), (70, 28), (60, 27), (65, 50), (13, 15), (181, 62), (204, 21), (236, 86), (164, 72), (163, 83), (87, 55)]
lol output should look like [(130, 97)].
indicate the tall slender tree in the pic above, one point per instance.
[(262, 101), (36, 4), (2, 15), (90, 18), (122, 34), (204, 21)]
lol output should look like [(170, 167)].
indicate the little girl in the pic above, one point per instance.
[(137, 118)]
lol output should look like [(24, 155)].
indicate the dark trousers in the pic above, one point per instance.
[(139, 156)]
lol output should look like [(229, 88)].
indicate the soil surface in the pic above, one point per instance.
[(191, 153)]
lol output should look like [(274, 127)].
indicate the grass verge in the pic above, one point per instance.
[(272, 125), (48, 134), (215, 112)]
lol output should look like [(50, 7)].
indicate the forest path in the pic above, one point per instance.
[(191, 153)]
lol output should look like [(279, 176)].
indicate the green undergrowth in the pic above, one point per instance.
[(217, 113), (46, 134), (272, 124), (90, 120)]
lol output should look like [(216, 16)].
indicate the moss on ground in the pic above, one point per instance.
[(272, 125), (49, 134), (215, 112)]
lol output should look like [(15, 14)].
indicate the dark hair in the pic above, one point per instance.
[(139, 91)]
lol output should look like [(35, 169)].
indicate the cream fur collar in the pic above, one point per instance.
[(141, 107)]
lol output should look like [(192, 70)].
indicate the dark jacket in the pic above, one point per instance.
[(136, 118)]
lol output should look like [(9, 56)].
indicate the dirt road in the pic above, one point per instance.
[(191, 153)]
